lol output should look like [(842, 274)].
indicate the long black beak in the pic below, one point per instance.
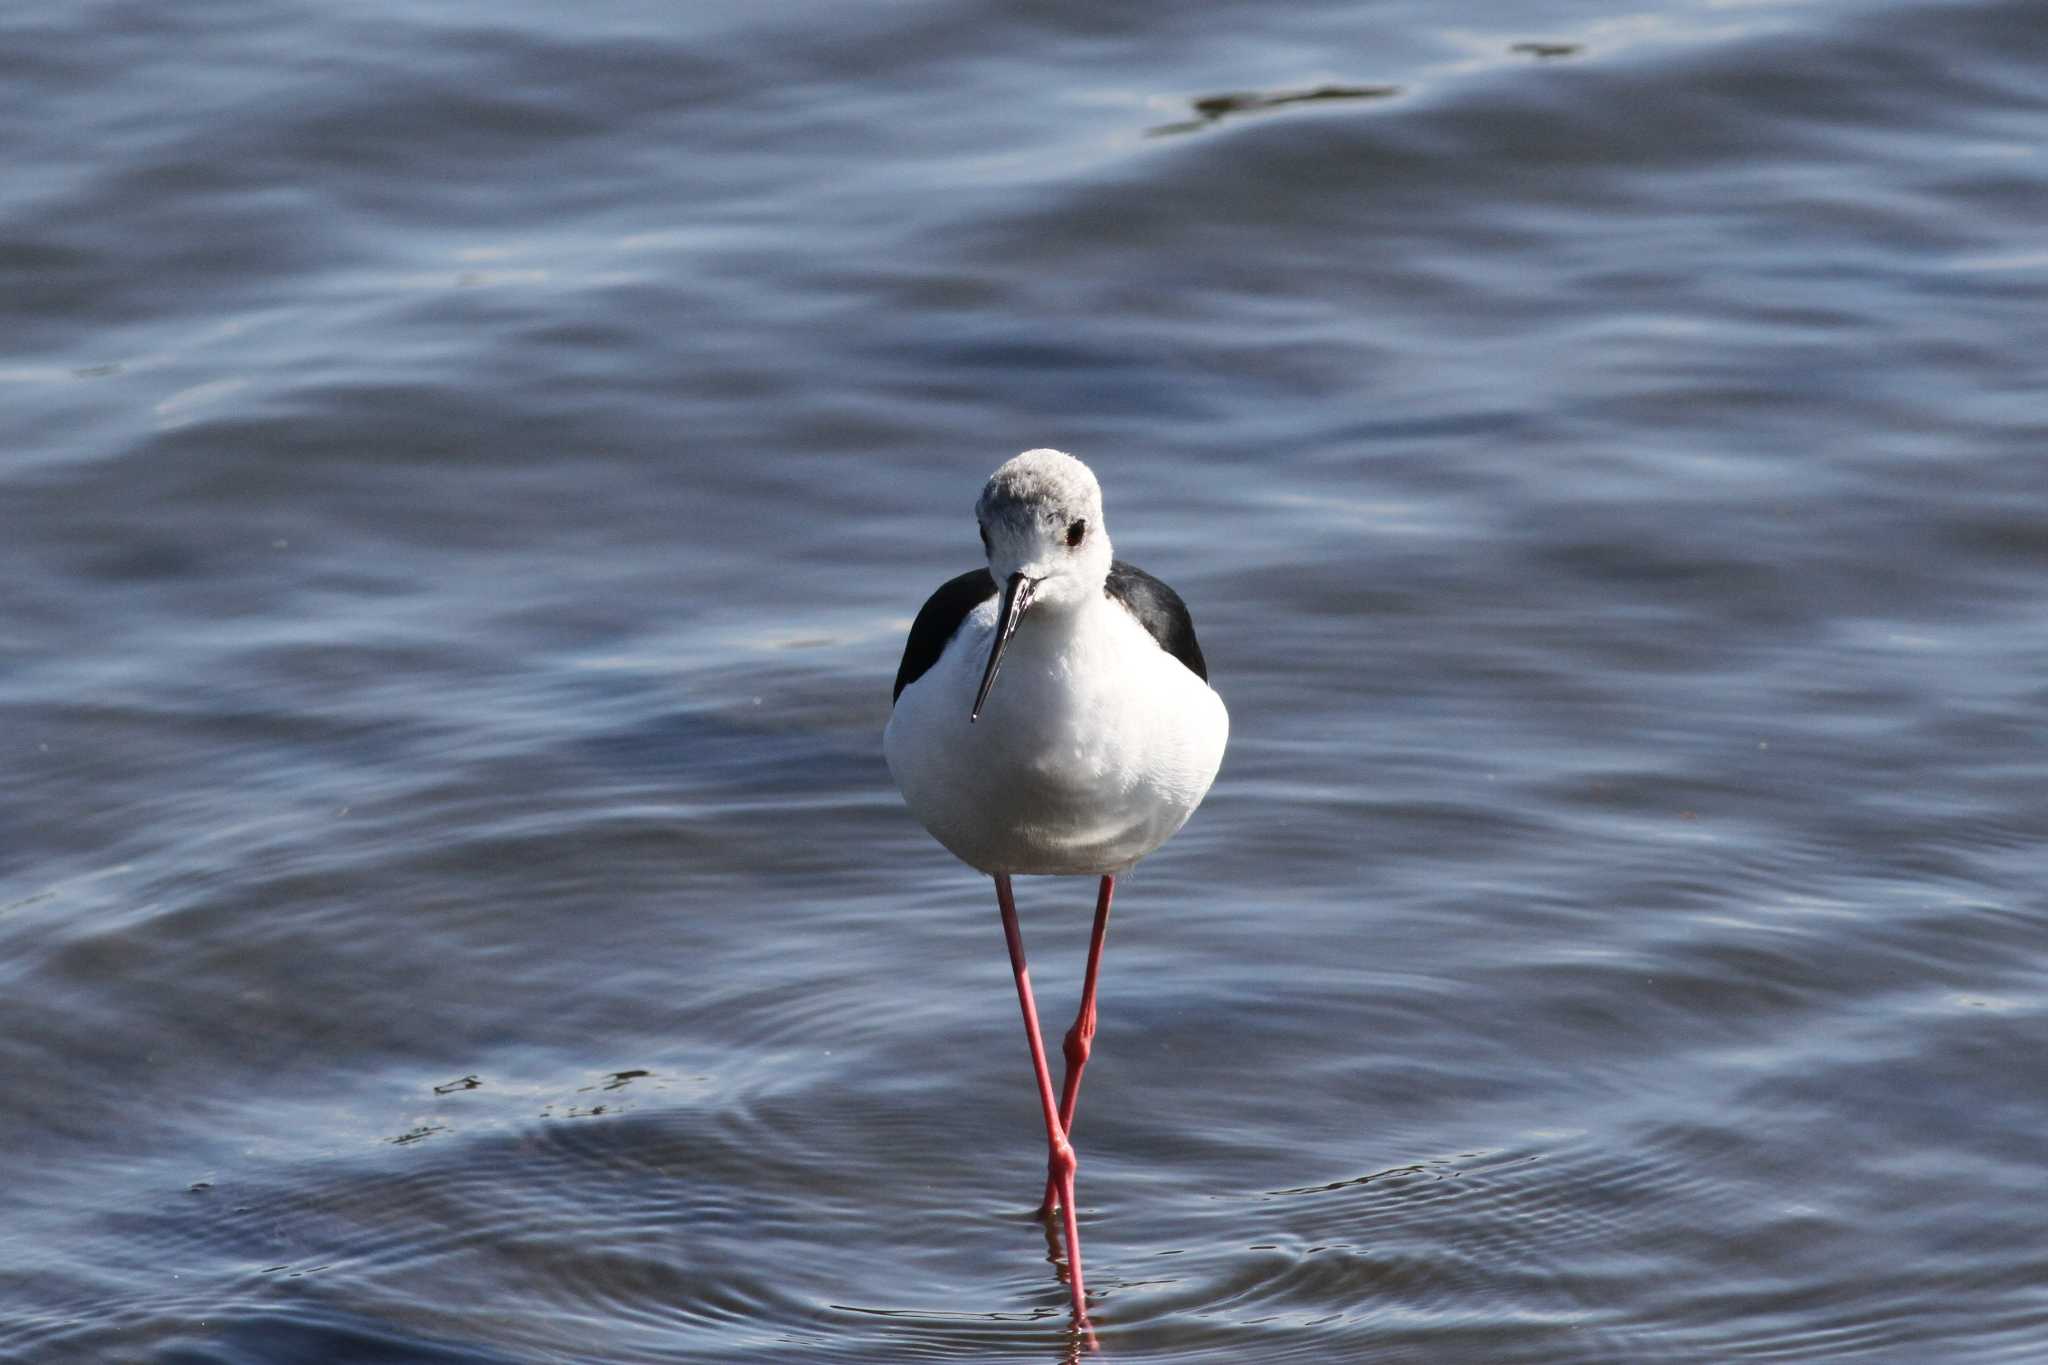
[(1016, 597)]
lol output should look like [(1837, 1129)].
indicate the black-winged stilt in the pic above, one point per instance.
[(1100, 742)]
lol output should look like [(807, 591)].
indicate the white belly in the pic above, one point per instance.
[(1094, 747)]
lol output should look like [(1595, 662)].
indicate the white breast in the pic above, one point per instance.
[(1094, 747)]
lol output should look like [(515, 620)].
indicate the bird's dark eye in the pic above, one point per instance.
[(1075, 532), (984, 540)]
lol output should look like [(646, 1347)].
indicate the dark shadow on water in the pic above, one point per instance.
[(1215, 108), (1436, 1170)]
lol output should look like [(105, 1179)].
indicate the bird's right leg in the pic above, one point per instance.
[(1063, 1163), (1081, 1037)]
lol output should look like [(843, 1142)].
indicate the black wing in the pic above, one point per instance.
[(936, 621), (1158, 609)]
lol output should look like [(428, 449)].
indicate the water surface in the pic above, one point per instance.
[(468, 472)]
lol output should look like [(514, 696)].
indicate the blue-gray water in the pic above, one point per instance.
[(466, 473)]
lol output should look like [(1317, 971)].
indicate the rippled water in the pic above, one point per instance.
[(467, 473)]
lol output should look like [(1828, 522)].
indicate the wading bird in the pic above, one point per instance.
[(1101, 739)]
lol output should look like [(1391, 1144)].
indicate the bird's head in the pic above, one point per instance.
[(1041, 517), (1041, 524)]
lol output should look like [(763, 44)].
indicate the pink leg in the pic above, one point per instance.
[(1081, 1037), (1063, 1162)]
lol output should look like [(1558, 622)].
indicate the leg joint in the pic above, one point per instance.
[(1063, 1162)]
